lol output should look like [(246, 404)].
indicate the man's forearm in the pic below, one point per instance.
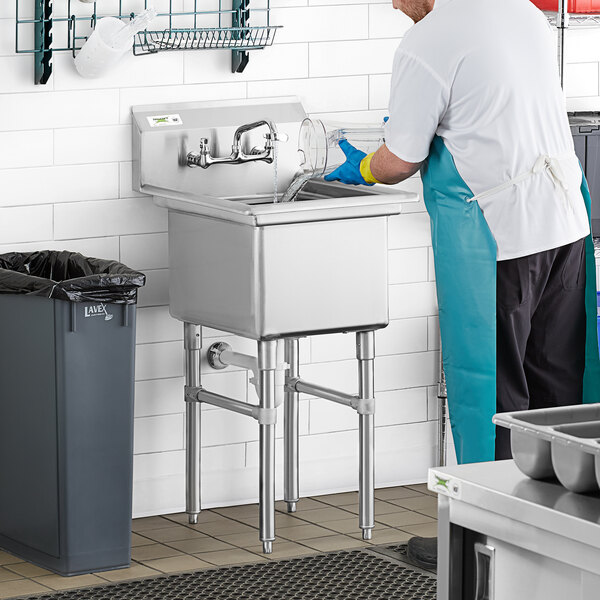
[(388, 168)]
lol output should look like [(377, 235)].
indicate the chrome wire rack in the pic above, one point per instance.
[(47, 26)]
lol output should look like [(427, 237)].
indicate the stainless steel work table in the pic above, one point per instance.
[(504, 536)]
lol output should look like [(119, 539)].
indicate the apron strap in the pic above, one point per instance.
[(548, 164)]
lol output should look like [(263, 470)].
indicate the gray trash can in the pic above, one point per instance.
[(67, 343)]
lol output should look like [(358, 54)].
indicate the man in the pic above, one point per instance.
[(476, 104)]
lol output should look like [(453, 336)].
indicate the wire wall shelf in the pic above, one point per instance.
[(47, 26), (574, 19)]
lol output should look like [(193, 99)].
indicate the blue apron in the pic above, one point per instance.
[(465, 264)]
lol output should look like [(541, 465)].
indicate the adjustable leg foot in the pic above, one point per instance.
[(193, 519), (291, 507), (267, 547), (367, 534)]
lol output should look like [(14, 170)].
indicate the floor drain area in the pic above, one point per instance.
[(346, 575)]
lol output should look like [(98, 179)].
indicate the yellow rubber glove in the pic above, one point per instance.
[(365, 169)]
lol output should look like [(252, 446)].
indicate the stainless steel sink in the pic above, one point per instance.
[(265, 270), (269, 271)]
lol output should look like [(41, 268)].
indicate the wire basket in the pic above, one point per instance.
[(233, 38), (180, 25)]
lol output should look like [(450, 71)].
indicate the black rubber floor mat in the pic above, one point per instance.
[(350, 575)]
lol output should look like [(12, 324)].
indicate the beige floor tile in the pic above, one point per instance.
[(343, 499), (57, 582), (304, 532), (281, 519), (152, 552), (388, 535), (323, 515), (174, 534), (302, 505), (421, 487), (140, 540), (393, 493), (7, 559), (426, 530), (26, 569), (6, 575), (424, 502), (242, 540), (343, 526), (148, 523), (136, 571), (238, 512), (430, 512), (407, 517), (204, 544), (20, 587), (177, 564), (283, 550), (230, 557), (206, 516), (334, 542), (224, 527), (381, 508)]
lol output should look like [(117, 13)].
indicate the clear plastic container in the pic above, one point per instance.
[(110, 40), (319, 149), (98, 54)]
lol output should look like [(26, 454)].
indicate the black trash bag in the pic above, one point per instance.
[(69, 276)]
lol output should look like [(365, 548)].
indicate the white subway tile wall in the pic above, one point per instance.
[(65, 183)]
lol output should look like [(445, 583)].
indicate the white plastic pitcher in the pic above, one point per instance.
[(319, 149)]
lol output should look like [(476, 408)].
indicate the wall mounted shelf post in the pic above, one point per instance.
[(43, 41)]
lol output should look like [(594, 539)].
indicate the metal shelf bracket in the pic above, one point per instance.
[(240, 18), (43, 41)]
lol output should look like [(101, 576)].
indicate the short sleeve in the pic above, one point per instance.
[(418, 101)]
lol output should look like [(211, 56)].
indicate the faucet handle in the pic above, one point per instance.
[(277, 137), (203, 144)]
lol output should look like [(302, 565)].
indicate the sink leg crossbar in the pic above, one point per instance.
[(266, 369)]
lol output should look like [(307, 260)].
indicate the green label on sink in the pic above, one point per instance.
[(164, 120)]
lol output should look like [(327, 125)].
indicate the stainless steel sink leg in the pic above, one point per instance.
[(192, 340), (267, 364), (365, 353), (290, 436)]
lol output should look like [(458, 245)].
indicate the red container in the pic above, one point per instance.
[(575, 6)]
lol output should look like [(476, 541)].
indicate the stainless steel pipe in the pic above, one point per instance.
[(267, 363), (304, 387), (291, 492), (365, 353), (192, 340), (237, 406)]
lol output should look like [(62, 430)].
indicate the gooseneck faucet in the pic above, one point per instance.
[(204, 159)]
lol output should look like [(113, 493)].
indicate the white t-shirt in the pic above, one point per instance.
[(483, 75)]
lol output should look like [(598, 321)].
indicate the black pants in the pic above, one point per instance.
[(540, 333)]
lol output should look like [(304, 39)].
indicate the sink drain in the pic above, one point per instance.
[(356, 574)]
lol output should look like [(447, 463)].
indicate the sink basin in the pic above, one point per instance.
[(238, 261), (265, 270)]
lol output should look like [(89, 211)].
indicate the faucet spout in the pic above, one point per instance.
[(240, 131)]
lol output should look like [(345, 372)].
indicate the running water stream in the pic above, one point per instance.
[(299, 181)]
